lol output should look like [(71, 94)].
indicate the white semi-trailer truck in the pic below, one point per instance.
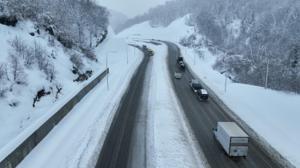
[(232, 138)]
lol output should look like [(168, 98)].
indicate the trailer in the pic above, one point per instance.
[(232, 138)]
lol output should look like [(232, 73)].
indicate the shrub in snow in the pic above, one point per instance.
[(18, 75), (90, 54), (3, 79), (188, 41), (3, 92), (44, 64), (29, 58), (8, 20), (18, 46), (85, 76), (58, 90), (51, 41), (41, 93), (49, 70), (77, 62), (3, 72)]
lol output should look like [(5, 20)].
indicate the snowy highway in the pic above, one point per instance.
[(116, 146), (203, 117), (149, 84), (161, 123), (158, 123), (148, 130)]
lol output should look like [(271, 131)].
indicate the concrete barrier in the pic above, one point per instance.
[(15, 157)]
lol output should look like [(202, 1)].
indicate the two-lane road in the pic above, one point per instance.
[(116, 150), (203, 116)]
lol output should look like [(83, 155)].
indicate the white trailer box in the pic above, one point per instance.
[(232, 138)]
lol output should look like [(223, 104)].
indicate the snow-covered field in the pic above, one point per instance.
[(169, 141), (76, 141), (273, 115)]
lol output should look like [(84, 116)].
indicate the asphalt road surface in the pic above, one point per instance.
[(203, 117), (117, 146)]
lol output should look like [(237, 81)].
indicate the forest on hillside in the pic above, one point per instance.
[(72, 22), (77, 26), (259, 40)]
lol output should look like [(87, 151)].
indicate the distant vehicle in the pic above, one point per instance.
[(180, 63), (198, 89), (203, 95), (150, 52), (144, 47), (178, 75), (179, 59), (147, 51), (195, 85), (232, 138)]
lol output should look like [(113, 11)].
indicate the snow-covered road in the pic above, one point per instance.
[(77, 139), (262, 109), (168, 137)]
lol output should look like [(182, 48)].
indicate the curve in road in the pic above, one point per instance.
[(203, 116), (116, 148)]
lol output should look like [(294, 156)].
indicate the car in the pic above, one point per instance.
[(202, 94), (179, 59), (150, 52), (147, 51), (178, 75), (195, 85), (180, 63), (197, 88)]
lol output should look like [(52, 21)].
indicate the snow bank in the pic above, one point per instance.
[(170, 142), (77, 139), (17, 123), (272, 114)]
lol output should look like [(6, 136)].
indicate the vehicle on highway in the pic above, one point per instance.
[(150, 52), (202, 93), (147, 51), (180, 63), (178, 75), (198, 89), (232, 138)]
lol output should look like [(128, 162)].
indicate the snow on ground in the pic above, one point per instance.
[(76, 141), (169, 143), (16, 123), (272, 114)]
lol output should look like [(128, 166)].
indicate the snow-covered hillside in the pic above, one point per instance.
[(273, 115), (80, 135), (23, 76)]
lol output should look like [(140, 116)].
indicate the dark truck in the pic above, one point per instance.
[(180, 63), (198, 89)]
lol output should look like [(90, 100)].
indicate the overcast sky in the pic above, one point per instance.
[(131, 7)]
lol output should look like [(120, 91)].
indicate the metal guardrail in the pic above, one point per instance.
[(15, 157)]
